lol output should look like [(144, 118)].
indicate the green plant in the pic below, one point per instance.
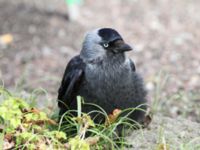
[(25, 126), (22, 126), (160, 82), (101, 136)]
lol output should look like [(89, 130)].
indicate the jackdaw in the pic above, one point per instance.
[(103, 75)]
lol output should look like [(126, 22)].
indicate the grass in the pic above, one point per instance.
[(23, 126), (160, 82), (104, 134), (165, 142), (1, 140), (179, 103), (26, 127), (101, 136), (191, 145)]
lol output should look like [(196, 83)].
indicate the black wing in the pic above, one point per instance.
[(71, 81), (132, 65)]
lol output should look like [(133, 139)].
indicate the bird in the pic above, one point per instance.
[(103, 75)]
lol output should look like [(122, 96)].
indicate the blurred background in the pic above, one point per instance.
[(38, 38)]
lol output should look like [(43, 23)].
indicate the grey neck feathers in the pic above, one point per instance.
[(91, 54), (91, 49), (107, 58)]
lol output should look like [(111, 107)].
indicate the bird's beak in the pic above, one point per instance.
[(123, 47)]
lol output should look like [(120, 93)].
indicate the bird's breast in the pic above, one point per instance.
[(107, 82)]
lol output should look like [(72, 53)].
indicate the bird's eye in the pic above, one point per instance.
[(105, 45)]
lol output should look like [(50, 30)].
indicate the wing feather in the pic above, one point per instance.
[(71, 81)]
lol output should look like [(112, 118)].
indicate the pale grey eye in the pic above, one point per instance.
[(105, 45)]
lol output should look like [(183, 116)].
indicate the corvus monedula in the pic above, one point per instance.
[(102, 75)]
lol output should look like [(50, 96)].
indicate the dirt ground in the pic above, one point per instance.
[(165, 132), (165, 35)]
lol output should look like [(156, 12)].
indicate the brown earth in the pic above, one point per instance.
[(164, 132)]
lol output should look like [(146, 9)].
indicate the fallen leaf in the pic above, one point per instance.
[(8, 137), (162, 147), (52, 122), (34, 110), (8, 145), (6, 39), (92, 140), (147, 118), (112, 117)]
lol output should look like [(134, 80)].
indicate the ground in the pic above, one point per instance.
[(180, 134), (164, 34)]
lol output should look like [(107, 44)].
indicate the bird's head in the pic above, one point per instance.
[(101, 42)]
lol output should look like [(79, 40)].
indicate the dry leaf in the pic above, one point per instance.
[(34, 110), (6, 39), (8, 145), (92, 140), (112, 117), (162, 147), (52, 122), (8, 137)]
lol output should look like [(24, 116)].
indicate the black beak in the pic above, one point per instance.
[(124, 47)]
